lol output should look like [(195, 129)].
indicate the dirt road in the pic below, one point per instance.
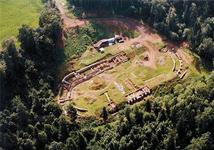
[(68, 22)]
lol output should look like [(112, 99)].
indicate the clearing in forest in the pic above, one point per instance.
[(152, 60)]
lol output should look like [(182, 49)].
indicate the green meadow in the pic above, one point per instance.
[(14, 13)]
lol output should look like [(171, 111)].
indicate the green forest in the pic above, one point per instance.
[(179, 115)]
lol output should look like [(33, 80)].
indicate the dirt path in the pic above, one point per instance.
[(68, 22), (71, 23), (146, 32)]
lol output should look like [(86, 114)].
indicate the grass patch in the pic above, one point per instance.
[(196, 68), (15, 13), (130, 33), (160, 45), (80, 39), (94, 108)]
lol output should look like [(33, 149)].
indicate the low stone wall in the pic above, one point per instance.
[(74, 78), (137, 95)]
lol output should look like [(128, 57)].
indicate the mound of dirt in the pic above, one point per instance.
[(161, 61), (97, 84), (89, 100)]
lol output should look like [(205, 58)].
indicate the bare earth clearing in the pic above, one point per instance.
[(157, 68)]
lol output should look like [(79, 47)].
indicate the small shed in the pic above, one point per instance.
[(106, 42)]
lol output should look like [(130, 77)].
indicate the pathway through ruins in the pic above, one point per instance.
[(147, 37)]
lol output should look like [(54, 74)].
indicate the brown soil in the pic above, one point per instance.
[(97, 83)]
